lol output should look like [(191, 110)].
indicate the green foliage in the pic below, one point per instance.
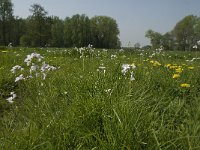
[(41, 30), (104, 32), (184, 32), (6, 21), (155, 38), (77, 31), (184, 36), (38, 28)]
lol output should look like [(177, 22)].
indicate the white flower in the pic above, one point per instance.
[(125, 68), (12, 97), (113, 56), (121, 50), (31, 56), (195, 47), (198, 42), (102, 67), (21, 77), (90, 46), (28, 60), (33, 68), (107, 90), (44, 76), (13, 70), (133, 66), (132, 77), (47, 67)]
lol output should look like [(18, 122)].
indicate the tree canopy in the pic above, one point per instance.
[(40, 30), (184, 36)]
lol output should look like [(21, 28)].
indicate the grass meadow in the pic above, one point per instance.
[(98, 99)]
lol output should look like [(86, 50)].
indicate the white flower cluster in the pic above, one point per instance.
[(34, 66), (128, 68), (30, 57), (33, 60)]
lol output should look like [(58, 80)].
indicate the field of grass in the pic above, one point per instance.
[(99, 99)]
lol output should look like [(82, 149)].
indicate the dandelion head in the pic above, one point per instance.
[(185, 85)]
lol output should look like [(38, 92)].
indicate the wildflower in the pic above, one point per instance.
[(31, 56), (195, 47), (13, 70), (125, 68), (133, 66), (185, 85), (132, 78), (151, 61), (33, 68), (179, 70), (47, 67), (190, 67), (107, 90), (192, 59), (21, 77), (176, 76), (121, 50), (155, 63), (12, 97), (90, 46), (168, 65), (172, 67), (44, 76), (113, 56), (198, 42)]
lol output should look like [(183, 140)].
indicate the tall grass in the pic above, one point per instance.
[(81, 106)]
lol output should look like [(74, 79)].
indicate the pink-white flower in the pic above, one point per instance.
[(125, 68), (12, 97), (21, 77), (13, 70)]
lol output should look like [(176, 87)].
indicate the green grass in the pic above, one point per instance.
[(78, 107)]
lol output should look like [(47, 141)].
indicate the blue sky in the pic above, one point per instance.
[(134, 17)]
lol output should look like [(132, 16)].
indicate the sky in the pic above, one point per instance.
[(134, 17)]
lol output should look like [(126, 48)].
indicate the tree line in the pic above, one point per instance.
[(184, 36), (41, 30)]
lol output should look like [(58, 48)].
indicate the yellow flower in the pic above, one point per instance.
[(176, 76), (133, 65), (185, 85), (168, 65), (156, 63), (172, 67), (151, 61), (190, 67), (179, 70)]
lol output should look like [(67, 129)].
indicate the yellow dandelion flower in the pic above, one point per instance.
[(175, 76), (156, 63), (151, 61), (185, 85), (172, 67), (168, 65), (179, 70), (190, 67)]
